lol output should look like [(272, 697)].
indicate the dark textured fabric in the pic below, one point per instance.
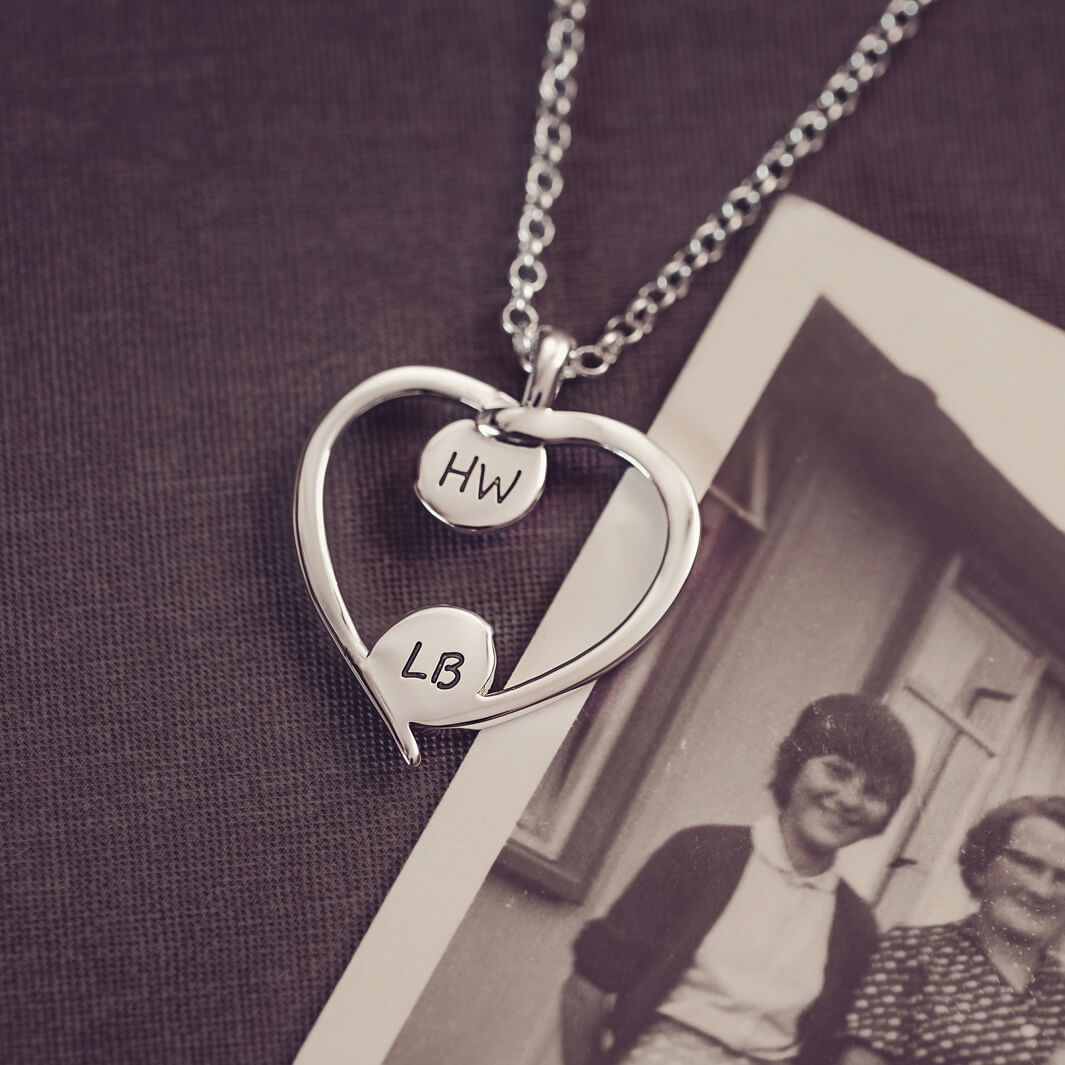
[(218, 217), (643, 946)]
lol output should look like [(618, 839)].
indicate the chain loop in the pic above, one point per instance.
[(742, 207)]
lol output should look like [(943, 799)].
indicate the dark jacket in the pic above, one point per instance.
[(642, 947)]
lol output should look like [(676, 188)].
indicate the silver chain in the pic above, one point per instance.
[(867, 61)]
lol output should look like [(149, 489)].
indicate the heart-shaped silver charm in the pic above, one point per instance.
[(435, 666)]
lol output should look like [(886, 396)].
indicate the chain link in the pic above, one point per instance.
[(867, 61)]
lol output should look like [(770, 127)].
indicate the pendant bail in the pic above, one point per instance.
[(554, 349)]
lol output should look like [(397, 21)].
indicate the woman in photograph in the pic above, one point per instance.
[(739, 944), (986, 988)]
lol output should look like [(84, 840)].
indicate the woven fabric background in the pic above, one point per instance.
[(215, 219)]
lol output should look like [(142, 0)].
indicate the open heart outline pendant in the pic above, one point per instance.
[(435, 667)]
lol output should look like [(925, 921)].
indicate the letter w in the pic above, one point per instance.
[(497, 485)]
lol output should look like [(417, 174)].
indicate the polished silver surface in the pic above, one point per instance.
[(554, 349), (472, 480), (445, 632), (867, 61), (309, 509), (432, 663)]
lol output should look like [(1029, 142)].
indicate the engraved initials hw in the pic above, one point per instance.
[(465, 475), (472, 481)]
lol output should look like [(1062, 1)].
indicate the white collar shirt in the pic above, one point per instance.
[(763, 962)]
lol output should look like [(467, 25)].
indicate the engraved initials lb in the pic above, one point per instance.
[(433, 661)]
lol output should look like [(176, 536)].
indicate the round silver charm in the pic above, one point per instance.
[(474, 481), (434, 661)]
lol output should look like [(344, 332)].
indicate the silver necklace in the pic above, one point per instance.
[(436, 666)]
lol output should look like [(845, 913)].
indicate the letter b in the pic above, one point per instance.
[(449, 663)]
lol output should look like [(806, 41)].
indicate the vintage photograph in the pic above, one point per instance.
[(853, 719)]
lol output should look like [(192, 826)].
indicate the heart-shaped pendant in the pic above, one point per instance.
[(435, 666)]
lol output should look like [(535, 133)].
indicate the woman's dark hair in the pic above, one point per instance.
[(990, 836), (854, 727)]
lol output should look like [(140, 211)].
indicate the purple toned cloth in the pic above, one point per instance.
[(218, 217)]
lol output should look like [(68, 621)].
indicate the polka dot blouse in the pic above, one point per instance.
[(931, 995)]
